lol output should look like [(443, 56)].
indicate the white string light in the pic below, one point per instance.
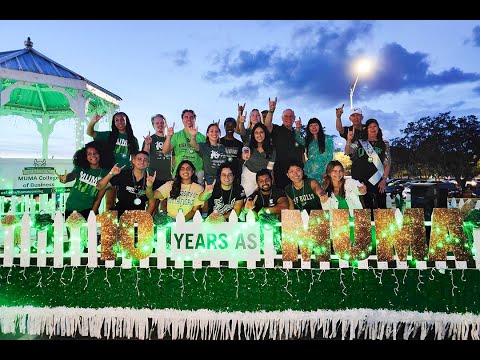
[(106, 278), (353, 273), (463, 273), (236, 281), (250, 272), (221, 276), (23, 273), (39, 284), (204, 281), (341, 283), (311, 281), (432, 277), (395, 290), (453, 285), (159, 278), (149, 273), (419, 280), (182, 286), (73, 272), (298, 278), (193, 273), (61, 276), (320, 275), (8, 275), (288, 281), (120, 274), (265, 278), (52, 272), (405, 276), (86, 276), (136, 282)]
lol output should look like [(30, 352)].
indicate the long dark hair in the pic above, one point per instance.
[(327, 181), (321, 135), (112, 139), (364, 133), (80, 156), (177, 180), (267, 142), (206, 134)]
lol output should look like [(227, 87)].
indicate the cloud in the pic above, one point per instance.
[(179, 57), (319, 68), (476, 36), (246, 63)]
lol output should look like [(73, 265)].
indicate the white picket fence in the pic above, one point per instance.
[(29, 235), (13, 255)]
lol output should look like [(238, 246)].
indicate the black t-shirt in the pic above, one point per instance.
[(128, 189), (285, 145), (234, 152), (362, 169), (265, 201), (224, 200), (356, 135)]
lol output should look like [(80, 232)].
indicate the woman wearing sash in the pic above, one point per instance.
[(370, 156)]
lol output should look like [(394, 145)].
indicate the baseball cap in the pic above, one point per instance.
[(356, 110)]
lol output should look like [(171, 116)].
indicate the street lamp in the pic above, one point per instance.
[(362, 66)]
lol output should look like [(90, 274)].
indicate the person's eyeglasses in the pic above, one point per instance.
[(227, 175)]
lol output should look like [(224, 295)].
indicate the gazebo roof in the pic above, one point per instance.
[(29, 59), (40, 89)]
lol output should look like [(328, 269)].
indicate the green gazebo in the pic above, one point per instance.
[(40, 89)]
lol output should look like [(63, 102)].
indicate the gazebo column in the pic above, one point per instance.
[(45, 129)]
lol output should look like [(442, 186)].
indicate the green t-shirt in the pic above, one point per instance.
[(84, 191), (121, 152), (305, 198), (212, 157), (342, 202), (184, 151)]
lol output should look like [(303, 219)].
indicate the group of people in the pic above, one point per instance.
[(274, 167)]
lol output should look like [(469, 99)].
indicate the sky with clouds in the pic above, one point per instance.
[(421, 68)]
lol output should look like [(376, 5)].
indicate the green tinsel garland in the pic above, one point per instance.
[(242, 289), (471, 221), (162, 219), (42, 221), (474, 217)]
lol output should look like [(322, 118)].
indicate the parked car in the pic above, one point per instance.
[(395, 186)]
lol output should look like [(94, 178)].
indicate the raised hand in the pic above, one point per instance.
[(243, 117), (339, 110), (148, 139), (245, 153), (209, 188), (170, 130), (272, 104), (193, 131), (117, 170), (298, 123), (250, 204), (241, 108), (351, 134), (62, 178), (150, 179)]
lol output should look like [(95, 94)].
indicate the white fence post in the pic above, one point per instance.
[(92, 240), (25, 242), (58, 240)]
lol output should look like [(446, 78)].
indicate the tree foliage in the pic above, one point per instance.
[(439, 146)]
